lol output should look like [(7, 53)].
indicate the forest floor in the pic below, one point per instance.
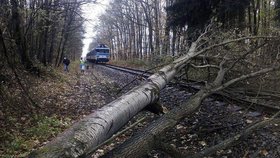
[(66, 97), (216, 120), (63, 98)]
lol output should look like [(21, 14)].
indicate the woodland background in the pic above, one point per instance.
[(35, 35), (44, 31)]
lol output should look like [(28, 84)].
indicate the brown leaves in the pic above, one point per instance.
[(264, 152)]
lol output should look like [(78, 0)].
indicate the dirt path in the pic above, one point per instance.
[(91, 91)]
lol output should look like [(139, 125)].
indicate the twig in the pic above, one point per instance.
[(243, 77), (205, 66), (171, 150), (232, 41), (230, 141), (210, 130), (260, 87), (244, 55)]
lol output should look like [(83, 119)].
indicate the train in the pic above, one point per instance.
[(100, 54)]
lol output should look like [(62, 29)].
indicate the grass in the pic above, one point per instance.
[(45, 128), (19, 143), (22, 127)]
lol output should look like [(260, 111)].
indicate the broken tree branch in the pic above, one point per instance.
[(245, 55), (94, 129), (243, 77), (234, 40), (143, 142), (230, 141), (204, 66)]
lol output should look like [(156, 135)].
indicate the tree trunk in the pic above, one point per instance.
[(166, 41), (173, 45), (145, 141), (90, 132), (46, 33), (19, 36), (102, 124), (157, 29), (150, 27)]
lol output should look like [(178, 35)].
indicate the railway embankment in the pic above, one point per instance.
[(70, 97), (62, 99), (218, 119)]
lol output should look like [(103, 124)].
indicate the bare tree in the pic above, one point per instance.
[(85, 135)]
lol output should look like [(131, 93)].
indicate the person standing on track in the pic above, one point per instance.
[(82, 65), (66, 63)]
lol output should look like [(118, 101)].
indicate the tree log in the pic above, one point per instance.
[(80, 139), (85, 135), (143, 142)]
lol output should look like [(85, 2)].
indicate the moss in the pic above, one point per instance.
[(45, 152), (19, 144)]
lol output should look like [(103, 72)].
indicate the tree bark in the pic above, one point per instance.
[(19, 36), (88, 133), (102, 124), (143, 142)]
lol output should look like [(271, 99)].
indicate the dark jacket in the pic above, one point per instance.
[(66, 61)]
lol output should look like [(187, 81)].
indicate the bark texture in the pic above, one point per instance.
[(88, 133), (143, 142)]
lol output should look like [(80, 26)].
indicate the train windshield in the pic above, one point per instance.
[(100, 50)]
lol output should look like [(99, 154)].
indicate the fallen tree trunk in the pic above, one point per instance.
[(85, 135), (91, 131), (145, 141)]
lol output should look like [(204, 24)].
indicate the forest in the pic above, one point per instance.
[(231, 46)]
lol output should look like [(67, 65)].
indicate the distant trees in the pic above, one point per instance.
[(277, 10), (41, 30), (236, 36), (85, 136), (146, 29), (133, 29)]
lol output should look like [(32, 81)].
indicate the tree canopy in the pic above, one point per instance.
[(198, 13)]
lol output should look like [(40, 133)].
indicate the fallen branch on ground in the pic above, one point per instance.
[(145, 141), (231, 141)]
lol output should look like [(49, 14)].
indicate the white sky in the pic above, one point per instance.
[(91, 12)]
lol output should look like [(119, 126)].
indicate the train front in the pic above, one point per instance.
[(102, 54)]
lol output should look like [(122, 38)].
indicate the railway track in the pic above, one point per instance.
[(142, 73), (220, 117), (194, 86)]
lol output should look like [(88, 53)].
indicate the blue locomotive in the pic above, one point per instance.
[(99, 54)]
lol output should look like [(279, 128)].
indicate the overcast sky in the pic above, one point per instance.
[(91, 12)]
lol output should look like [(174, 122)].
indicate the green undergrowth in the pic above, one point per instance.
[(21, 140), (24, 127)]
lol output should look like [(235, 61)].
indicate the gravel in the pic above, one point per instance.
[(215, 121)]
